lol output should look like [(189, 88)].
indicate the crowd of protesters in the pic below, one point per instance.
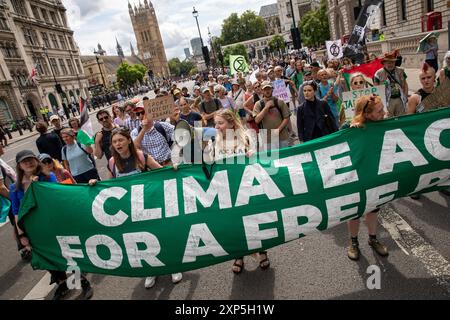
[(310, 108)]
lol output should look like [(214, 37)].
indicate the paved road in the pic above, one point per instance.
[(417, 234)]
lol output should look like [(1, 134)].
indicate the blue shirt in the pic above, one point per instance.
[(321, 93), (17, 196)]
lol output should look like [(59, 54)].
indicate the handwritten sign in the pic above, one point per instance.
[(159, 108), (281, 91), (349, 98)]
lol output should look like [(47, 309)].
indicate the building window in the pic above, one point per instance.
[(91, 71), (62, 40), (44, 65), (70, 43), (77, 62), (45, 39), (403, 10), (44, 15), (430, 5), (19, 7), (53, 17), (54, 66), (383, 14), (30, 36), (70, 65), (63, 66), (35, 12), (3, 24), (289, 11), (55, 42), (63, 18), (38, 64)]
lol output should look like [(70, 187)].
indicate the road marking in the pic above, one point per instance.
[(411, 242), (41, 290)]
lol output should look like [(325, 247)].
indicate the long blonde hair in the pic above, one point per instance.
[(364, 105), (239, 131)]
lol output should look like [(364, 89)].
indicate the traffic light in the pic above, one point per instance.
[(295, 33)]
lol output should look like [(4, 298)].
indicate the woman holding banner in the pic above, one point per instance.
[(232, 140), (126, 160), (367, 109), (30, 169)]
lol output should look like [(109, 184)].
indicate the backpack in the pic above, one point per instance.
[(90, 156), (263, 103), (158, 126), (112, 164), (216, 102)]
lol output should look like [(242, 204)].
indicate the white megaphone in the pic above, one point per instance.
[(184, 133)]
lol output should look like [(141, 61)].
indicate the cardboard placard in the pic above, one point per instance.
[(281, 91), (349, 98), (160, 108)]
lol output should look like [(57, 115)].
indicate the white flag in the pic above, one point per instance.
[(334, 49)]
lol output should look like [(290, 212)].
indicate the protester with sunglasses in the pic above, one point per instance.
[(127, 160), (103, 137), (51, 165), (132, 122), (367, 109), (357, 82)]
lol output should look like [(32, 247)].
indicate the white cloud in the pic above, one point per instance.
[(101, 21)]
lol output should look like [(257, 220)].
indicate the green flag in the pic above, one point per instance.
[(238, 64), (168, 221)]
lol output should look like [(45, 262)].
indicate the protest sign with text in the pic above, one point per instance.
[(349, 98), (159, 108), (281, 91)]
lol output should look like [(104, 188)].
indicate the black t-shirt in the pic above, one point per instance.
[(105, 143), (191, 117), (51, 144), (58, 133)]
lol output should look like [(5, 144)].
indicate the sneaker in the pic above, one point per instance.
[(378, 247), (177, 277), (87, 291), (415, 197), (353, 251), (149, 282), (61, 291)]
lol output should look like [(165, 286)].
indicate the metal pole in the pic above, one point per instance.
[(103, 78), (293, 16)]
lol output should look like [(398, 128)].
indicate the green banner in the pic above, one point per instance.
[(170, 221), (238, 64)]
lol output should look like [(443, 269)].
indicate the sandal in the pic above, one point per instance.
[(238, 267), (264, 263)]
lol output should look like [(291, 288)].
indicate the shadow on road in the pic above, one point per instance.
[(9, 278), (255, 285)]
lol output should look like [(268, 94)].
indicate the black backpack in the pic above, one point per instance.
[(90, 156)]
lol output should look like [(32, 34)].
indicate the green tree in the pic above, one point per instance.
[(247, 26), (277, 44), (186, 67), (174, 66), (128, 75), (234, 50), (178, 68), (314, 26)]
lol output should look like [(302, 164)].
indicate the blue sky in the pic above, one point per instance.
[(100, 21)]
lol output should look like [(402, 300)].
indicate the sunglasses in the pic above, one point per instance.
[(47, 161), (358, 82), (104, 118), (140, 113)]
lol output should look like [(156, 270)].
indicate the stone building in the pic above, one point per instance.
[(300, 8), (270, 15), (36, 39), (400, 21), (148, 38)]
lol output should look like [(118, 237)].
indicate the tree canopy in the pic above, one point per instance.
[(129, 75), (234, 50), (180, 68), (277, 43), (246, 27), (314, 26)]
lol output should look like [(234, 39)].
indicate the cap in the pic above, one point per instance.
[(25, 154), (205, 89), (307, 73), (234, 82), (139, 108), (196, 88), (266, 84), (176, 91), (43, 156), (54, 117), (270, 70), (391, 56)]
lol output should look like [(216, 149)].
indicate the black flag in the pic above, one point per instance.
[(357, 41)]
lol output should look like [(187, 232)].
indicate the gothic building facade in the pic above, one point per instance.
[(37, 51), (148, 37)]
